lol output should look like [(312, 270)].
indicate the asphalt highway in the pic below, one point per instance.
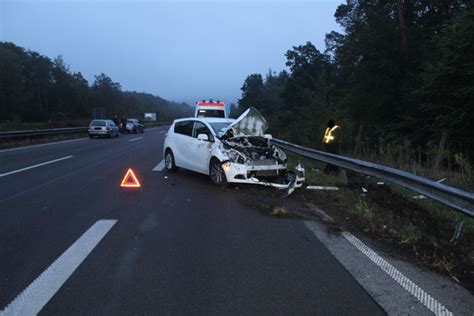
[(178, 245)]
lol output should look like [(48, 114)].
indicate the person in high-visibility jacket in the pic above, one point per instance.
[(331, 141)]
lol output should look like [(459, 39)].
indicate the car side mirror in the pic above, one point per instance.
[(203, 137)]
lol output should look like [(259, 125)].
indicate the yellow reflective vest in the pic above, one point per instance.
[(328, 134)]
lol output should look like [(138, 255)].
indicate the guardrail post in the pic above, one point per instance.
[(457, 232)]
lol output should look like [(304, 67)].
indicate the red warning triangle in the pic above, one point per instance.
[(130, 180)]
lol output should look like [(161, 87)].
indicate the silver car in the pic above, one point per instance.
[(133, 125), (101, 128)]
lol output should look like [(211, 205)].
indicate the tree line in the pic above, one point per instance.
[(35, 88), (402, 72)]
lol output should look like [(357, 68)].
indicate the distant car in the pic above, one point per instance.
[(133, 125), (229, 151), (101, 128)]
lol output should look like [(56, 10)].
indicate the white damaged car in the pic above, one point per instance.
[(230, 151)]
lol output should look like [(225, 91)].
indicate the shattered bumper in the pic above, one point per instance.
[(258, 174)]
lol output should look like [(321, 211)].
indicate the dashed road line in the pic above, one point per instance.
[(134, 139), (34, 166), (431, 303), (43, 288), (162, 132), (160, 166)]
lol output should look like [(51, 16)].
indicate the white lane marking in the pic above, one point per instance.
[(120, 153), (34, 166), (41, 145), (134, 139), (161, 132), (160, 166), (427, 300), (43, 288), (431, 303)]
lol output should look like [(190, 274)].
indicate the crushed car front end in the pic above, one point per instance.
[(248, 156)]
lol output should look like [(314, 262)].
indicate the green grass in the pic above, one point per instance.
[(433, 161), (279, 211)]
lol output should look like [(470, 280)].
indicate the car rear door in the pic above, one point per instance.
[(183, 139), (201, 149)]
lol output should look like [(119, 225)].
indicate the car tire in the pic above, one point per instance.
[(170, 164), (91, 136), (118, 134), (143, 131), (216, 173)]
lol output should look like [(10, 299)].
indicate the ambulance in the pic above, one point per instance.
[(210, 108)]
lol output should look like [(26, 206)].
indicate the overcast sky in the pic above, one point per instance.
[(179, 50)]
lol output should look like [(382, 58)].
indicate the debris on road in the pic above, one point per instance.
[(380, 183), (364, 190), (419, 197), (321, 187)]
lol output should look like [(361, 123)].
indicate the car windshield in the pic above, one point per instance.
[(98, 123), (219, 127)]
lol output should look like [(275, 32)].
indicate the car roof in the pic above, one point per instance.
[(207, 119)]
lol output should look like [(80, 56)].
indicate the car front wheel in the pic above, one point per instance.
[(216, 173), (169, 161)]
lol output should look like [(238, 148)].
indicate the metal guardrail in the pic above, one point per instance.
[(54, 131), (453, 197), (38, 132)]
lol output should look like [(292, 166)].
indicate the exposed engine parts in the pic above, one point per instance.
[(252, 148)]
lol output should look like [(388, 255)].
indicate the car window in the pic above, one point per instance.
[(200, 128), (184, 128), (98, 123)]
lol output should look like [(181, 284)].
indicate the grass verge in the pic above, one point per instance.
[(417, 228)]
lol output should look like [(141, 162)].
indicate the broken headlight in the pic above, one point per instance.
[(233, 155)]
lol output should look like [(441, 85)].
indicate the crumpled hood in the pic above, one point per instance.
[(250, 123)]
